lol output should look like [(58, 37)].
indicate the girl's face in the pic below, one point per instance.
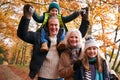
[(92, 51), (54, 12), (74, 39), (53, 26)]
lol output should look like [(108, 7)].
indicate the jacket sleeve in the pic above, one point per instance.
[(65, 69), (84, 27), (24, 34), (38, 18), (70, 17), (106, 74)]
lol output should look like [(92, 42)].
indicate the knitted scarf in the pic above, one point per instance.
[(74, 53)]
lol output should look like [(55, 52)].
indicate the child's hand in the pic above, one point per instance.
[(28, 11)]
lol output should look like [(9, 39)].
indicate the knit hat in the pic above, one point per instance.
[(54, 5), (90, 41)]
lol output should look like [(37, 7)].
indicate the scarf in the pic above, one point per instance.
[(93, 72), (99, 76), (74, 53)]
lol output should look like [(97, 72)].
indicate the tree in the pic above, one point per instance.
[(102, 26)]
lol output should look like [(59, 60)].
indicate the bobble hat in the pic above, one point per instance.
[(90, 41)]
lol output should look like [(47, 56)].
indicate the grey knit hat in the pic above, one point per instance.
[(90, 41)]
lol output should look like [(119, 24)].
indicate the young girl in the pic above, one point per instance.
[(92, 66)]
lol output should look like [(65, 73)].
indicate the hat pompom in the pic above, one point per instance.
[(90, 41)]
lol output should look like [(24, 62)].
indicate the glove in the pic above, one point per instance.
[(84, 13), (76, 65), (28, 11)]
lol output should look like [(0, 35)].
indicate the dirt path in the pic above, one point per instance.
[(14, 73), (2, 77), (10, 72), (7, 74)]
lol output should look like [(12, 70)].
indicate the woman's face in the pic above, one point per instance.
[(74, 39), (92, 51), (54, 12)]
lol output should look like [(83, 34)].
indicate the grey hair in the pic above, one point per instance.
[(68, 35)]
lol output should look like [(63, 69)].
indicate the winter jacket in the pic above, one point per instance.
[(34, 38), (65, 67), (80, 73)]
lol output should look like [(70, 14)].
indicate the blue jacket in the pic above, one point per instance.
[(34, 38)]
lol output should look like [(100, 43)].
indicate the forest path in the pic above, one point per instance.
[(12, 73)]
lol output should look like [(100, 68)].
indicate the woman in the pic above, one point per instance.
[(71, 54), (92, 66)]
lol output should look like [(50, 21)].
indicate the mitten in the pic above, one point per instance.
[(84, 13)]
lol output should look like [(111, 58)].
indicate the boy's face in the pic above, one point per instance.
[(54, 26), (53, 12)]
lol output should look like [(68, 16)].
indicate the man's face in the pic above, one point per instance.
[(54, 12), (54, 26)]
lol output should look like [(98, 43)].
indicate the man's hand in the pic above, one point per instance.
[(28, 11), (84, 13)]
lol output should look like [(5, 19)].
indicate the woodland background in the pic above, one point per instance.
[(104, 16)]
